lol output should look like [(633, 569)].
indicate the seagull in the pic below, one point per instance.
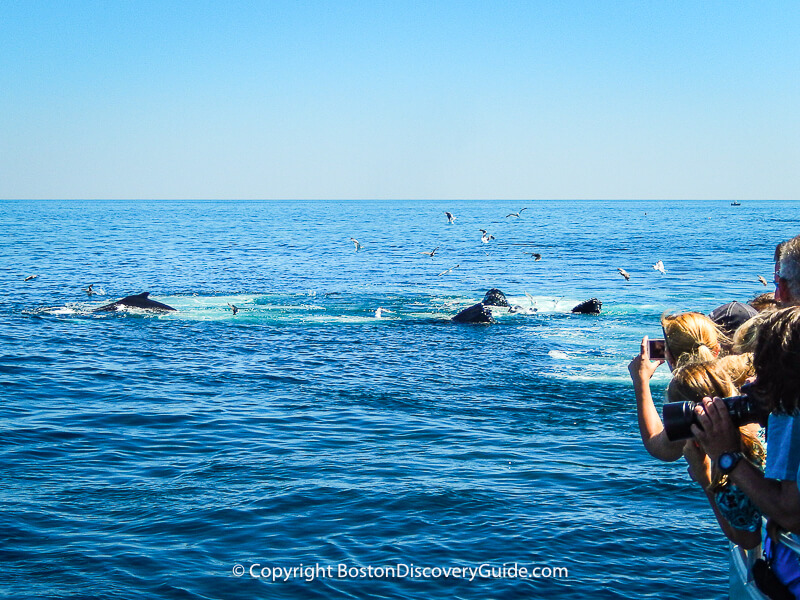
[(486, 237), (530, 298), (659, 266), (536, 256), (624, 273), (762, 280), (89, 291), (450, 218), (556, 301), (233, 308), (30, 278), (448, 270), (432, 252), (516, 214), (357, 243)]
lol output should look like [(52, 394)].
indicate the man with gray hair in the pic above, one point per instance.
[(787, 272)]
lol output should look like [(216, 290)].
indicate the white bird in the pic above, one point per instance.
[(450, 217), (530, 299), (659, 266), (762, 280), (448, 270), (432, 252), (624, 273), (30, 278), (357, 243), (486, 237), (234, 309), (516, 214)]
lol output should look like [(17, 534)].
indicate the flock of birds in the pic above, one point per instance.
[(487, 237)]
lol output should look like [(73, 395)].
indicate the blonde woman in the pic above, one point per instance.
[(738, 517), (689, 337)]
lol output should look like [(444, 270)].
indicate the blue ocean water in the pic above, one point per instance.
[(151, 455)]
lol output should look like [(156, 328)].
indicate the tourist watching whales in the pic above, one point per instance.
[(738, 517), (729, 317), (776, 392), (689, 337)]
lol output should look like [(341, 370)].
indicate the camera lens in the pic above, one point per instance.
[(678, 420)]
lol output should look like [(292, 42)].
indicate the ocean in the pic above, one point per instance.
[(304, 448)]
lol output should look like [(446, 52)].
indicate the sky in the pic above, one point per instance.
[(400, 100)]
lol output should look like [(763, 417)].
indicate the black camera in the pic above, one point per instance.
[(680, 416)]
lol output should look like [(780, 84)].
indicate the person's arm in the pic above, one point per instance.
[(700, 470), (778, 500), (651, 428)]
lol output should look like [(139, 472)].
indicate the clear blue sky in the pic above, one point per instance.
[(371, 99)]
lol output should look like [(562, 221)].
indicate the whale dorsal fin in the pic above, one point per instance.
[(143, 295)]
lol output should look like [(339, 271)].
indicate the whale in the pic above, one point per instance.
[(135, 301), (495, 297), (591, 306), (477, 313)]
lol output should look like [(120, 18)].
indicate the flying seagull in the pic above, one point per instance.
[(624, 273), (448, 270), (659, 266), (89, 291), (30, 278), (486, 237), (357, 243), (432, 252), (516, 214), (762, 280), (450, 218), (234, 309), (536, 256)]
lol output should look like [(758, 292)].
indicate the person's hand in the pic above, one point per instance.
[(641, 367), (699, 464), (716, 433), (774, 531)]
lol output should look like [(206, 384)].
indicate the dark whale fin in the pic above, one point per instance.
[(136, 301)]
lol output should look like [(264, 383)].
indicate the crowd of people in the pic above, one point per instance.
[(748, 471)]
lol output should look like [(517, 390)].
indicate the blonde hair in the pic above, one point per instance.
[(738, 367), (744, 340), (691, 337), (693, 382)]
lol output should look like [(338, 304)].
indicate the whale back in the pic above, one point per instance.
[(136, 301)]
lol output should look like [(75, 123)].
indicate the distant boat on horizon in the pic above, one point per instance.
[(735, 203)]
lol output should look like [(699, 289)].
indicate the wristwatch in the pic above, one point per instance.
[(727, 462)]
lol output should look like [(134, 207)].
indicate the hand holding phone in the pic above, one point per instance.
[(657, 349)]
